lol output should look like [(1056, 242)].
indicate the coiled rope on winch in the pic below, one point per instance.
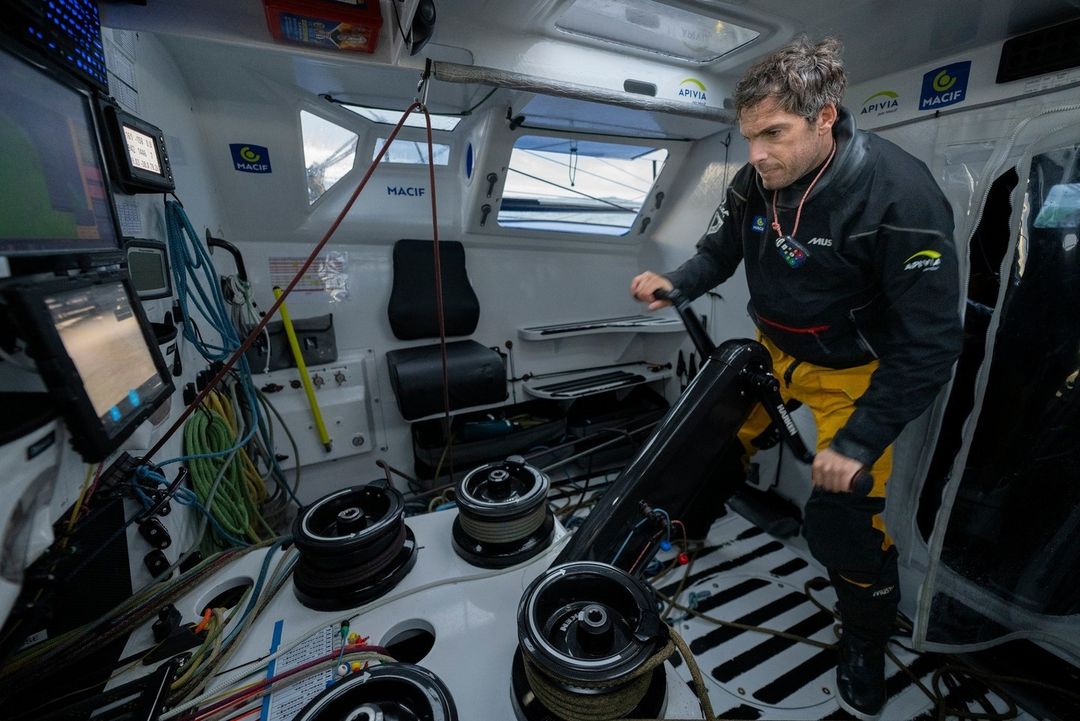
[(503, 531), (625, 693)]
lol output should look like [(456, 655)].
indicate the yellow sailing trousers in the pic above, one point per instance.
[(830, 394)]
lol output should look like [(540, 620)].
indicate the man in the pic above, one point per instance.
[(849, 256)]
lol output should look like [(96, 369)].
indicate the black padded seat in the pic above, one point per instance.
[(477, 377), (476, 374)]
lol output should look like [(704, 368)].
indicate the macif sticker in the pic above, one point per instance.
[(944, 86), (248, 158)]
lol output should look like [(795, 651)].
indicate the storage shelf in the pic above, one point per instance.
[(587, 383), (623, 324)]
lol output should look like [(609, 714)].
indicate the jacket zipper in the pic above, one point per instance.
[(810, 330)]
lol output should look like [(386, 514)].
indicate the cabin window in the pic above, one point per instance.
[(415, 119), (329, 152), (577, 186), (655, 27), (412, 152)]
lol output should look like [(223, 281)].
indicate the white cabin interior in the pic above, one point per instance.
[(591, 140)]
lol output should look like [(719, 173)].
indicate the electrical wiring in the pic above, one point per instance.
[(650, 515), (58, 653), (223, 695), (260, 596), (289, 677)]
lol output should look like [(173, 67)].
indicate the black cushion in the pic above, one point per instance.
[(476, 373), (412, 299)]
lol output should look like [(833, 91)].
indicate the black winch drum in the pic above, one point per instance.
[(387, 692), (587, 630), (503, 516), (354, 547)]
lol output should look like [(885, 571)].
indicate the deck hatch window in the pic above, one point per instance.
[(577, 186), (655, 27), (415, 119), (412, 152), (329, 153)]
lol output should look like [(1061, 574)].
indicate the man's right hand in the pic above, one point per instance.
[(643, 286)]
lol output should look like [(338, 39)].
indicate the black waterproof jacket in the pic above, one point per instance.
[(874, 276)]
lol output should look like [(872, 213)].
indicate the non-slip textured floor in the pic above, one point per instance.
[(746, 576)]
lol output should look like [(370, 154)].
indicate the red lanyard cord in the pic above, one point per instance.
[(798, 211)]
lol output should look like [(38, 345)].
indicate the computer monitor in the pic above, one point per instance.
[(96, 353), (54, 192), (64, 33), (148, 267)]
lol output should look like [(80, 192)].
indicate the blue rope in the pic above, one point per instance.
[(197, 284), (183, 496)]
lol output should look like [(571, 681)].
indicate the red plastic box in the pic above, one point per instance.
[(328, 24)]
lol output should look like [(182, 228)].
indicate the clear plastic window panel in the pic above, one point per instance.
[(577, 186), (329, 153), (1009, 554), (412, 152)]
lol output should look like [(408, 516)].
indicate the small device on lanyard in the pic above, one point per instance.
[(792, 251)]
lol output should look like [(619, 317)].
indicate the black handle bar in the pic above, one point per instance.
[(700, 338), (861, 485)]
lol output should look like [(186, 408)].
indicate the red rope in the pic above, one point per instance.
[(439, 297)]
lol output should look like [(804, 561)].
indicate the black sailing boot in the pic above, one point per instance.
[(867, 605), (860, 676)]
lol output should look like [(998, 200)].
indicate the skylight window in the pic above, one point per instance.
[(415, 119), (655, 27), (577, 186), (329, 153), (412, 152)]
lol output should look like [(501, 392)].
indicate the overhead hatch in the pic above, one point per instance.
[(655, 28)]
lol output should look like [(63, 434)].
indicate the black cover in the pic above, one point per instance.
[(476, 376), (318, 344), (412, 299)]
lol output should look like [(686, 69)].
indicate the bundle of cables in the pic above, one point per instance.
[(222, 473), (231, 434)]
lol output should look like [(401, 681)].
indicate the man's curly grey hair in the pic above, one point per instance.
[(801, 76)]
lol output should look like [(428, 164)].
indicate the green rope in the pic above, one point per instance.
[(206, 432)]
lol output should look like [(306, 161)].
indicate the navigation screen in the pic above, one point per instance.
[(102, 336), (142, 150), (147, 269), (53, 192)]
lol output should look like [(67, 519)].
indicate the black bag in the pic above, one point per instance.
[(318, 345)]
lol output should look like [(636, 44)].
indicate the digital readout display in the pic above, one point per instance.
[(142, 150)]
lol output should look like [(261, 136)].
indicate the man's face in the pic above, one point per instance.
[(784, 146)]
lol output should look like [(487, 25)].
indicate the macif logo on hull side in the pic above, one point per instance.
[(882, 103), (693, 90), (249, 158), (944, 86)]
